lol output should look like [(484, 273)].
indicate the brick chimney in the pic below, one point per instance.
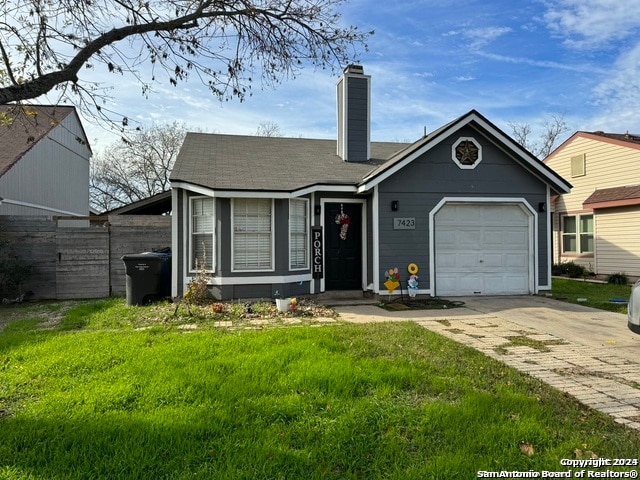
[(354, 109)]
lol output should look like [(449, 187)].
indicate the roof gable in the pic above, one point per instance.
[(622, 140), (21, 127), (479, 122)]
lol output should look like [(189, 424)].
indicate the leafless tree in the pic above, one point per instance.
[(269, 129), (551, 131), (45, 45), (135, 169)]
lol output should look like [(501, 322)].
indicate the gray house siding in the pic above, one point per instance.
[(421, 185), (357, 119)]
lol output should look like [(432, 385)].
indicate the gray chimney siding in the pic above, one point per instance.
[(354, 117)]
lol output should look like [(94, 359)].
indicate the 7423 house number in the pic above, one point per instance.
[(404, 223)]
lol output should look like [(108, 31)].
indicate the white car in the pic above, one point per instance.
[(634, 308)]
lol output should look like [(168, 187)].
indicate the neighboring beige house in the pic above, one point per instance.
[(597, 224), (44, 161)]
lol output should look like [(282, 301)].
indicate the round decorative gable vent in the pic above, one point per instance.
[(466, 152)]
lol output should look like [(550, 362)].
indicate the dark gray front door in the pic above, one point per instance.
[(343, 246)]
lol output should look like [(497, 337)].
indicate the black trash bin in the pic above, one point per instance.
[(148, 277)]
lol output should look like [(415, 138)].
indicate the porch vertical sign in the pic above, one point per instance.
[(316, 247)]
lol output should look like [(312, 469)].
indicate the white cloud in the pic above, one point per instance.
[(481, 37), (551, 64), (621, 88), (592, 23)]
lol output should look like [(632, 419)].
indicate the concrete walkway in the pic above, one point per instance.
[(587, 353)]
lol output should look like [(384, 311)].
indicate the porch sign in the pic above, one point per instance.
[(317, 261)]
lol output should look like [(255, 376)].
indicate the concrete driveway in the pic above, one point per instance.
[(587, 353), (575, 323)]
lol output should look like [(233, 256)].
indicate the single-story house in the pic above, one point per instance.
[(596, 224), (465, 207)]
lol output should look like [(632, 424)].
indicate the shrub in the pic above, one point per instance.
[(570, 269), (618, 278), (198, 289)]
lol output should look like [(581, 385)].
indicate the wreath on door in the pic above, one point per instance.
[(344, 221)]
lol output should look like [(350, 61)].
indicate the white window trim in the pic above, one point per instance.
[(578, 234), (191, 233), (307, 230), (271, 268)]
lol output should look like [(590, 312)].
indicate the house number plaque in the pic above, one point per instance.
[(404, 223)]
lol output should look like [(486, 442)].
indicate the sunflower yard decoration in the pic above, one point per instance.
[(412, 283)]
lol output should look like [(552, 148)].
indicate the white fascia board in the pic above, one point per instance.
[(193, 188), (538, 166), (264, 194), (211, 192), (324, 188)]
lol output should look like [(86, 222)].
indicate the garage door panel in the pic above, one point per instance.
[(467, 239), (516, 237), (495, 260), (449, 282), (515, 260), (493, 284), (445, 261), (493, 238), (470, 283), (482, 249)]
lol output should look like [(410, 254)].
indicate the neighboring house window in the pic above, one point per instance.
[(298, 235), (252, 234), (202, 233), (577, 234)]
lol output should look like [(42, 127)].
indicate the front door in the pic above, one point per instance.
[(343, 246)]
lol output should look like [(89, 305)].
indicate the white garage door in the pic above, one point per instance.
[(481, 249)]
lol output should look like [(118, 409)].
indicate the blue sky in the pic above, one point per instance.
[(432, 61)]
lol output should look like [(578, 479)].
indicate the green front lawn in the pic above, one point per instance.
[(598, 295), (90, 396)]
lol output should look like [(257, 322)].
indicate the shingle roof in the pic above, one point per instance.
[(629, 193), (27, 125), (237, 163), (233, 162), (623, 137)]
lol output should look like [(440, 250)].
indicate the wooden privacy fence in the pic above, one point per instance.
[(81, 257)]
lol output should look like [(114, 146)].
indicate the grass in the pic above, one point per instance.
[(92, 395), (598, 295)]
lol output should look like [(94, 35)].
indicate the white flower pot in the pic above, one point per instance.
[(283, 304)]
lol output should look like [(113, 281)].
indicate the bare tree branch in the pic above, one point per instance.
[(552, 129), (46, 44), (135, 168)]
